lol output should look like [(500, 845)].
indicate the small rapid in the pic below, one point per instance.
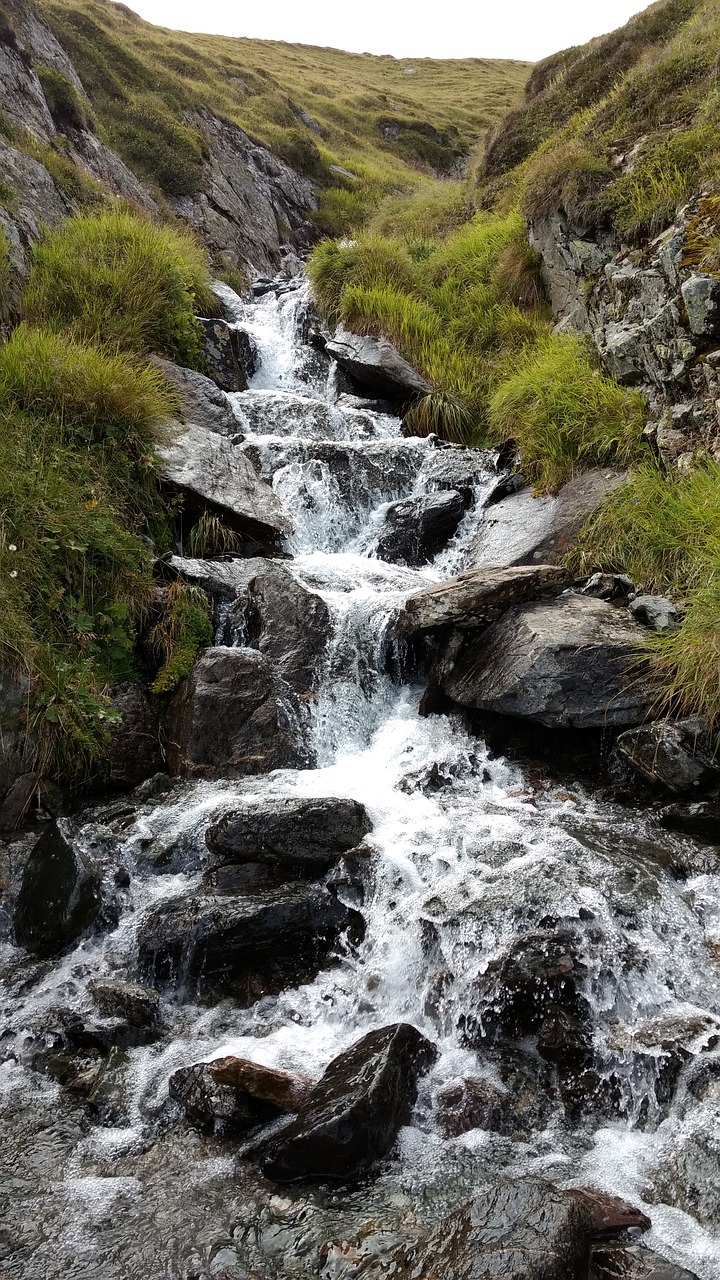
[(469, 853)]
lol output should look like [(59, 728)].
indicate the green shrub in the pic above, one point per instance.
[(564, 414), (119, 278), (646, 200), (429, 214), (569, 177), (64, 102), (341, 211)]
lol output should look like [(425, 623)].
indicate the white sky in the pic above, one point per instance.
[(528, 29)]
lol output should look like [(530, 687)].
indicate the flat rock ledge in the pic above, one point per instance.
[(479, 596)]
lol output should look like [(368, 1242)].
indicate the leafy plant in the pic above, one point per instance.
[(184, 628)]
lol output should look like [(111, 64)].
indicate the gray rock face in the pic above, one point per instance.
[(676, 754), (231, 1095), (241, 945), (523, 529), (565, 664), (134, 752), (655, 612), (633, 1262), (234, 715), (376, 364), (248, 192), (701, 295), (479, 596), (352, 1116), (701, 821), (202, 402), (59, 896), (138, 1005), (287, 623), (210, 471), (223, 355), (525, 1229), (417, 528), (289, 832)]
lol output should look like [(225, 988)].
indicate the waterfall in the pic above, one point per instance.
[(468, 853)]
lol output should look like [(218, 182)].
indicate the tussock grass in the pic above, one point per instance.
[(664, 530), (565, 414), (64, 102), (119, 278)]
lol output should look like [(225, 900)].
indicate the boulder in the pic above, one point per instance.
[(633, 1262), (524, 1230), (417, 528), (59, 896), (479, 596), (655, 612), (234, 715), (226, 356), (290, 832), (212, 473), (231, 1094), (687, 1174), (280, 618), (201, 401), (677, 754), (570, 663), (701, 295), (534, 989), (351, 1118), (701, 821), (376, 364), (134, 753), (609, 1214), (523, 529), (246, 945), (464, 1105), (138, 1005), (471, 472)]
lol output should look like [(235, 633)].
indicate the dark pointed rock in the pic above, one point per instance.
[(416, 529), (312, 833), (59, 896), (233, 1095), (352, 1116)]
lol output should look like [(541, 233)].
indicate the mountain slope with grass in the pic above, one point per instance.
[(566, 301)]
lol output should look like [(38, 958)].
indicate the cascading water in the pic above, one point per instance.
[(468, 855)]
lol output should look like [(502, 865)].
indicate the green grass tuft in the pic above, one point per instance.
[(119, 278), (64, 102)]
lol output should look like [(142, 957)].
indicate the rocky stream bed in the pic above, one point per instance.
[(352, 994)]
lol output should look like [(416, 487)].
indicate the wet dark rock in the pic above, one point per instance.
[(633, 1262), (479, 596), (134, 753), (610, 1215), (564, 1039), (290, 832), (234, 715), (233, 1095), (571, 663), (226, 357), (376, 364), (16, 748), (654, 612), (59, 896), (608, 586), (676, 754), (701, 821), (455, 467), (138, 1005), (211, 473), (202, 402), (524, 1230), (417, 528), (464, 1105), (532, 989), (523, 529), (278, 616), (351, 1118), (687, 1174), (245, 945)]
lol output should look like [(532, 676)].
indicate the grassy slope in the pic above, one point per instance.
[(383, 119)]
